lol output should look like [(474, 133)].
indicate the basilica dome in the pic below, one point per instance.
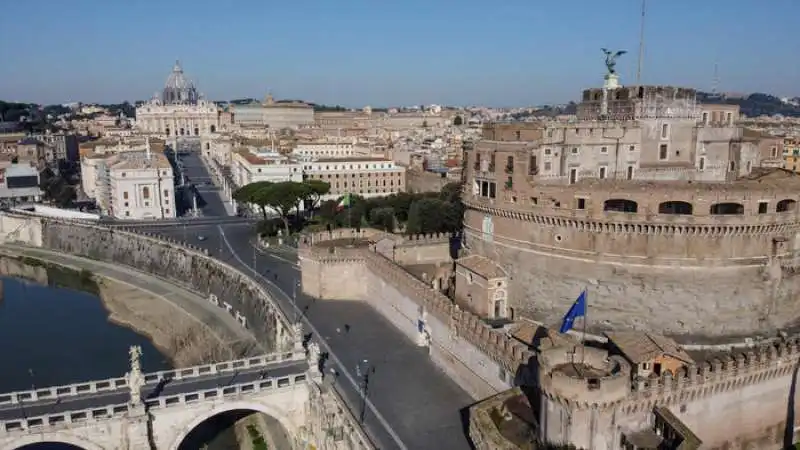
[(178, 89)]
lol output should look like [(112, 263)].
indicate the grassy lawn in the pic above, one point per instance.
[(258, 441)]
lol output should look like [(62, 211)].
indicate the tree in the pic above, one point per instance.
[(426, 216), (316, 189), (282, 197), (458, 121), (382, 218), (249, 193)]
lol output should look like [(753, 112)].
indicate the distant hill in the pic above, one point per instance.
[(754, 105)]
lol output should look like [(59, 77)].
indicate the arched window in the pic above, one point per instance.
[(675, 208), (208, 146), (197, 131), (145, 192), (787, 205), (620, 205), (723, 209), (166, 130), (213, 128)]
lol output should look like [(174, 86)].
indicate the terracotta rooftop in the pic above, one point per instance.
[(138, 160), (641, 347), (482, 266)]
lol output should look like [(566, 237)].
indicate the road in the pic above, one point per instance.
[(149, 391), (193, 169), (181, 221), (412, 404)]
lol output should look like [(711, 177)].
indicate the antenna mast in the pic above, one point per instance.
[(715, 81), (641, 47)]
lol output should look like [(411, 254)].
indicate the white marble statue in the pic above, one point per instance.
[(135, 376), (313, 357)]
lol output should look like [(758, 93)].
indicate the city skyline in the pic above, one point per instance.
[(357, 53)]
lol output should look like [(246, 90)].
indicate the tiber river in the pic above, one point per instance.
[(53, 336)]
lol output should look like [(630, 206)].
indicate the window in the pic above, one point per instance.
[(663, 151), (574, 150), (573, 175), (518, 135), (763, 207), (774, 151), (533, 169), (729, 118), (125, 195), (127, 213), (603, 149), (126, 204), (664, 131), (581, 203), (732, 166), (166, 193), (602, 173), (548, 166), (701, 165), (632, 148), (705, 118), (629, 173), (550, 133), (145, 192), (547, 152)]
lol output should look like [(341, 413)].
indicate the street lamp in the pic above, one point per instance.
[(363, 370)]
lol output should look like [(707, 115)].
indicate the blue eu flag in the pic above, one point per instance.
[(578, 309)]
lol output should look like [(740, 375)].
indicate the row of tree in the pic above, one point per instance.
[(413, 213), (284, 198)]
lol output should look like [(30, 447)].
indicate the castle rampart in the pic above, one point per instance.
[(469, 350)]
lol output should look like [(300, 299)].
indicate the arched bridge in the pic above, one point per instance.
[(106, 414)]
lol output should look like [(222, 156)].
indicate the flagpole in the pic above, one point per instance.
[(585, 319)]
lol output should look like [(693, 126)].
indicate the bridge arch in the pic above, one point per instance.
[(59, 437), (279, 415)]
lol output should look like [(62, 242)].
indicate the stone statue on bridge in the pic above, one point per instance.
[(314, 358), (135, 376)]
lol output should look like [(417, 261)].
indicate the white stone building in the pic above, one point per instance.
[(365, 177), (273, 115), (250, 166), (179, 110), (131, 185)]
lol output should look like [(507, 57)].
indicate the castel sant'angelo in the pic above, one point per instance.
[(682, 228)]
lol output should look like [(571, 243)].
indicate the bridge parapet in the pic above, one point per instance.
[(114, 384), (230, 392)]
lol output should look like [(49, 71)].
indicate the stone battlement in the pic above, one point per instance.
[(585, 377)]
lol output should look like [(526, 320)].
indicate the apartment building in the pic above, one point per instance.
[(252, 165), (130, 185), (366, 177)]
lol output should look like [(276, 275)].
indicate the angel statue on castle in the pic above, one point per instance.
[(611, 59)]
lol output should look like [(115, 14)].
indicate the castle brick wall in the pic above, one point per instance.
[(733, 401), (482, 360)]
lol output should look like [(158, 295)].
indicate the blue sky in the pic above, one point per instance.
[(358, 52)]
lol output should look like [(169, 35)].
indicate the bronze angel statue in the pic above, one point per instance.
[(611, 59)]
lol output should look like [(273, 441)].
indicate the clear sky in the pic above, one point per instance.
[(382, 53)]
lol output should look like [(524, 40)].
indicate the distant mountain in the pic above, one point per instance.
[(754, 105)]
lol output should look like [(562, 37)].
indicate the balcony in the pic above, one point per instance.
[(508, 184)]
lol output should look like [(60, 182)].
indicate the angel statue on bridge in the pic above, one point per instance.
[(611, 59)]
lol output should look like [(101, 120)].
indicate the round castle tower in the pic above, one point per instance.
[(580, 387), (672, 216)]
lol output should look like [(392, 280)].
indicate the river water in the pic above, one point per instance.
[(53, 336)]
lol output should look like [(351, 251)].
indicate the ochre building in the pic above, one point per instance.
[(674, 218)]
